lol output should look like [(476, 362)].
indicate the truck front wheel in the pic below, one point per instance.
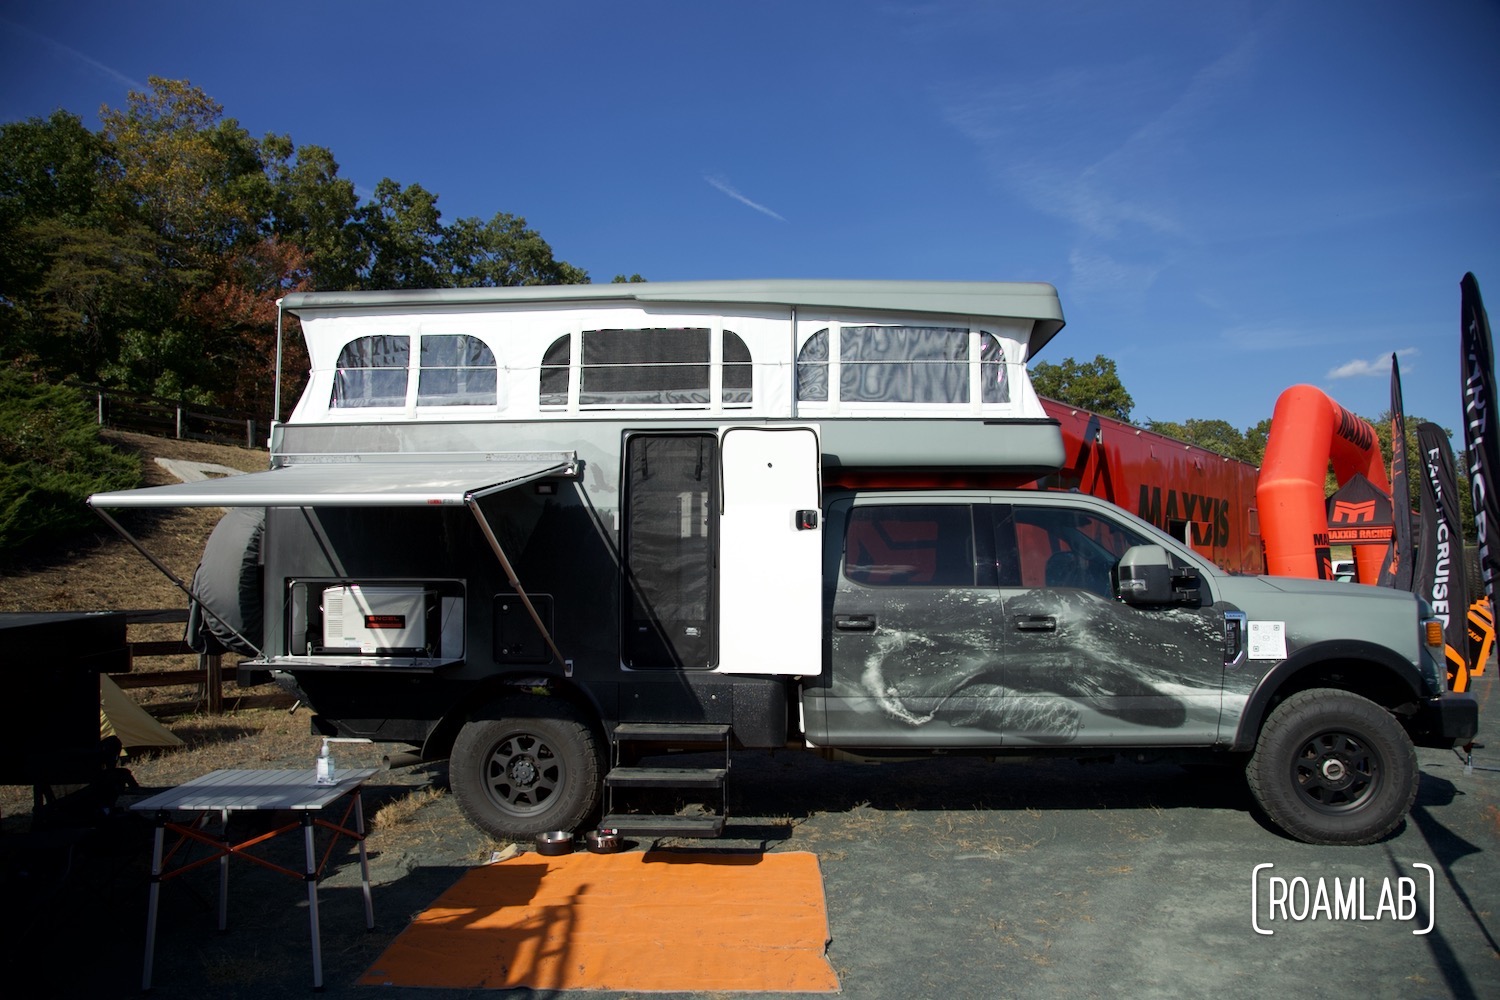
[(527, 765), (1331, 767)]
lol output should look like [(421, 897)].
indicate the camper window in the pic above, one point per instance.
[(372, 372), (996, 386), (656, 366), (645, 367), (554, 376), (738, 373), (457, 370), (902, 364)]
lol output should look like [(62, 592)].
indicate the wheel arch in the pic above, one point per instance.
[(1364, 668), (476, 703)]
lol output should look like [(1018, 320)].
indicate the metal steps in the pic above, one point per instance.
[(623, 778)]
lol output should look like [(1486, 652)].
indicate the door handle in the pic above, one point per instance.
[(854, 623), (1037, 623)]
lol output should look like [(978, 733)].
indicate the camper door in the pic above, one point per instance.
[(770, 551)]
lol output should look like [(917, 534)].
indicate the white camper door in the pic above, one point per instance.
[(770, 551)]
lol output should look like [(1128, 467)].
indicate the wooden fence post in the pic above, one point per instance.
[(211, 665)]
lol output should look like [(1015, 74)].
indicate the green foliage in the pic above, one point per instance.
[(1218, 436), (51, 459), (149, 256), (1091, 385)]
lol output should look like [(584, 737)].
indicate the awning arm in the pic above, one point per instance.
[(119, 529), (472, 501)]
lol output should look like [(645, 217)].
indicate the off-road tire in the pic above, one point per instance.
[(1331, 767), (525, 765)]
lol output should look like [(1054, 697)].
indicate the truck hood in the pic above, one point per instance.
[(1330, 588)]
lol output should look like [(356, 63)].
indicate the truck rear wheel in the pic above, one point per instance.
[(527, 765), (1331, 767)]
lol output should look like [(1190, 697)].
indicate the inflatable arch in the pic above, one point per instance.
[(1308, 430)]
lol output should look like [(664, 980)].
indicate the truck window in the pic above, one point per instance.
[(372, 372), (1059, 547), (905, 545), (456, 370)]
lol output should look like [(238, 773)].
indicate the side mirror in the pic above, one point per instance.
[(1145, 577)]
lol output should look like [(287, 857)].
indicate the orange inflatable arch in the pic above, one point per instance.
[(1308, 430)]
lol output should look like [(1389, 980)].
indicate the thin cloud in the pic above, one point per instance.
[(724, 186), (73, 53), (1375, 366)]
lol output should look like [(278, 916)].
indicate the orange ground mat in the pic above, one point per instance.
[(661, 921)]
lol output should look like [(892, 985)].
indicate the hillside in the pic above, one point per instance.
[(100, 570)]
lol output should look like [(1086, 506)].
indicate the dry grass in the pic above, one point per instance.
[(101, 571)]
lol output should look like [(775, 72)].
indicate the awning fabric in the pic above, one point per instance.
[(350, 481)]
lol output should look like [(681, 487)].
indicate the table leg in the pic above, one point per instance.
[(224, 871), (312, 900), (364, 861), (151, 906)]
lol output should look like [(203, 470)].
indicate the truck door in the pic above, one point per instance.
[(1082, 667), (770, 551), (914, 614)]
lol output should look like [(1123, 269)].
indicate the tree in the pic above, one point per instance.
[(308, 204), (191, 172), (1218, 436), (149, 256), (399, 231), (1090, 385), (50, 460), (502, 251), (74, 262)]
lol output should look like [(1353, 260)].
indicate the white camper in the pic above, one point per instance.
[(542, 531)]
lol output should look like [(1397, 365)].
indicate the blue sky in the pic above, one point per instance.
[(1231, 198)]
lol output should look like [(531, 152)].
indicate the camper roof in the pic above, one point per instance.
[(1035, 301)]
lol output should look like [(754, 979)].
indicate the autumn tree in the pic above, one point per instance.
[(305, 202), (149, 256)]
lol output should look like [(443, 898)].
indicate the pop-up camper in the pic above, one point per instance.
[(529, 529)]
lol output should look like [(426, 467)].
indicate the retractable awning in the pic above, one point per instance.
[(351, 481), (359, 480)]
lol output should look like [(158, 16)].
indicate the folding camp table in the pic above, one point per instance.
[(230, 791)]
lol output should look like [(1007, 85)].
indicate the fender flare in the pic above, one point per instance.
[(1375, 656), (472, 705)]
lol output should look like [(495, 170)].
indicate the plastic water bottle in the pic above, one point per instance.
[(326, 774)]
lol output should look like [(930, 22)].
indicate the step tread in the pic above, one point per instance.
[(647, 825), (667, 777), (682, 732)]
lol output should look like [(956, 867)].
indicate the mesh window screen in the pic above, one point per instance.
[(658, 366), (904, 364), (554, 389), (372, 372), (737, 371), (670, 504), (457, 370)]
